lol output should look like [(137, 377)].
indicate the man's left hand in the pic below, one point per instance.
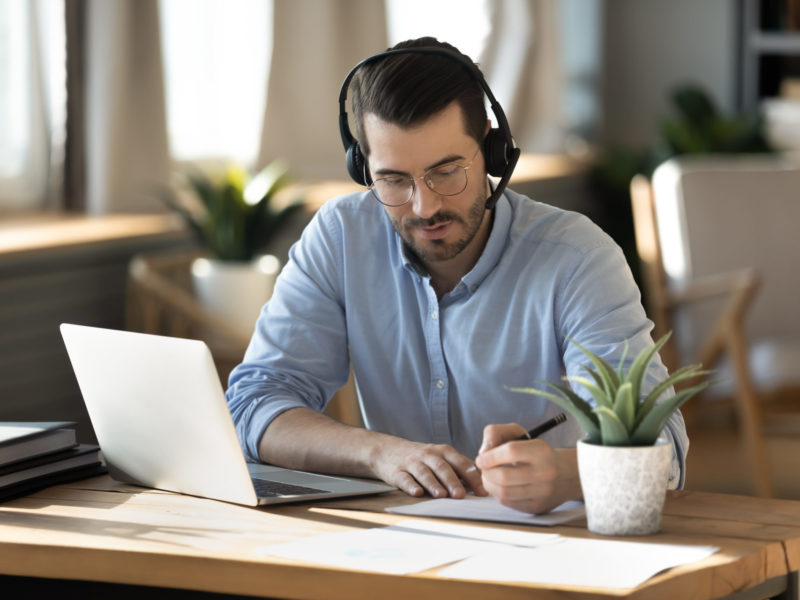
[(527, 475)]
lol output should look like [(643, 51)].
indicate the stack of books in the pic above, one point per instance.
[(35, 455)]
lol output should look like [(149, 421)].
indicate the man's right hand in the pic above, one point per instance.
[(416, 468), (303, 439)]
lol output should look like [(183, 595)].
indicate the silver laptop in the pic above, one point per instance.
[(159, 412)]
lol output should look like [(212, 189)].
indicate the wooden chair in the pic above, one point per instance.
[(725, 306)]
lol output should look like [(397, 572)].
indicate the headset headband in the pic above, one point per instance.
[(500, 151)]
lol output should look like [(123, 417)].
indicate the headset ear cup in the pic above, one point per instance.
[(356, 165), (494, 152)]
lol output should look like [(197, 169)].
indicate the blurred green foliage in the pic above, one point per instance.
[(232, 215)]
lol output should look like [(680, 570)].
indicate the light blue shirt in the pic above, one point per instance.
[(435, 370)]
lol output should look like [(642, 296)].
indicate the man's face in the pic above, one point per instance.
[(437, 228)]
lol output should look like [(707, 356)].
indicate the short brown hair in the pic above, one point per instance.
[(409, 88)]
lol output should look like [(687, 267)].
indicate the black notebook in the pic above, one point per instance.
[(21, 440), (47, 464)]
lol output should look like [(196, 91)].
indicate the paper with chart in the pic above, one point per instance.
[(486, 508), (406, 547), (575, 561), (491, 554)]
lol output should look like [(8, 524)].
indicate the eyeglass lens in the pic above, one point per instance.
[(446, 180)]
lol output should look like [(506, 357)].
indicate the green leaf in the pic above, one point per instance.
[(264, 184), (600, 383), (608, 376), (599, 395), (638, 369), (694, 105), (575, 405), (625, 405), (650, 428), (687, 372), (234, 227), (612, 430)]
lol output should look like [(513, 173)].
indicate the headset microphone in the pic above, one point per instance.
[(499, 150)]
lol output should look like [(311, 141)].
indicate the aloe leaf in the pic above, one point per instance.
[(641, 362), (649, 429), (601, 383), (625, 405), (576, 400), (687, 372), (600, 397), (609, 377), (572, 403), (612, 430)]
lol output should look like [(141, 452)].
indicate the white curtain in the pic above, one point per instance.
[(31, 103), (125, 122), (315, 44), (523, 64)]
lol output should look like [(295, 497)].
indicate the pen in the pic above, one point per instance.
[(544, 427), (532, 434)]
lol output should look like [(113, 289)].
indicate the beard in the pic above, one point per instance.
[(441, 250)]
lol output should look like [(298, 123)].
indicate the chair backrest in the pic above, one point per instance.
[(717, 214)]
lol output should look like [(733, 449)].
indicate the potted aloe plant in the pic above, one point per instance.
[(234, 217), (623, 462)]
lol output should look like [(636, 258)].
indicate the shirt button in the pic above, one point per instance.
[(440, 384), (435, 314)]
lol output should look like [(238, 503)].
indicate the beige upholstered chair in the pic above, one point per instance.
[(718, 241)]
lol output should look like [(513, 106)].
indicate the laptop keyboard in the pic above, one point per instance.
[(268, 489)]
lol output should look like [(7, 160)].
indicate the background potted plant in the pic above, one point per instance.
[(623, 462), (234, 217)]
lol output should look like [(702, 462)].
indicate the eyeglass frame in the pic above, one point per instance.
[(424, 177)]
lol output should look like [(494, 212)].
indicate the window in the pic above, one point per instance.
[(32, 101), (216, 66), (463, 23)]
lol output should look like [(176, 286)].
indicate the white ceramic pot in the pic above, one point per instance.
[(624, 486), (235, 291)]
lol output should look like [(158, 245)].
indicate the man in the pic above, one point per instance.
[(439, 300)]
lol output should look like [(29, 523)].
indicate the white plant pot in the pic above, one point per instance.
[(624, 486), (235, 291)]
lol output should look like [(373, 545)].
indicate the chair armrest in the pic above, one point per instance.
[(733, 283), (740, 288)]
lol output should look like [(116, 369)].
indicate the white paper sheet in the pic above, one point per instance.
[(406, 547), (486, 508), (584, 562)]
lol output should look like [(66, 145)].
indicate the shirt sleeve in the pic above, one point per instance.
[(297, 356), (600, 307)]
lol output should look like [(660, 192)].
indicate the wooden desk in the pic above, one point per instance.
[(99, 530)]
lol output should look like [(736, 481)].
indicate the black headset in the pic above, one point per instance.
[(499, 150)]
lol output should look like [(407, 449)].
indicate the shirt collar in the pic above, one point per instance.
[(498, 239)]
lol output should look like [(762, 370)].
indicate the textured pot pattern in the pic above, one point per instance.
[(624, 487)]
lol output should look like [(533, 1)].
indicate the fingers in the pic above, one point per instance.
[(518, 462), (497, 435), (437, 469), (530, 475)]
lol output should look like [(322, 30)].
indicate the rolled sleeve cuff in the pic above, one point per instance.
[(260, 414), (677, 471)]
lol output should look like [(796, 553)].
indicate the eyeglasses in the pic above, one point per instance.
[(448, 179)]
